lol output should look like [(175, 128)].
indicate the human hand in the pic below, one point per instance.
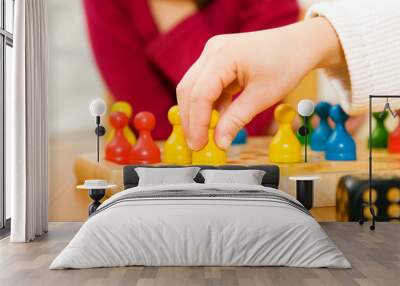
[(263, 66)]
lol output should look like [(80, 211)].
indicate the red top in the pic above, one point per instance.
[(142, 66)]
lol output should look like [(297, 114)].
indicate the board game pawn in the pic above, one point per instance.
[(380, 135), (211, 154), (124, 107), (145, 150), (340, 145), (323, 130), (176, 150), (310, 131), (119, 148), (394, 138), (240, 138), (284, 146)]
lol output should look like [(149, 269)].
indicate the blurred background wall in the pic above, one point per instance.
[(74, 79)]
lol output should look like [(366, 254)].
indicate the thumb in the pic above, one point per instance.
[(242, 110)]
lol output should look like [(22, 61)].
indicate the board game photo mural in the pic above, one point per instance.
[(202, 142)]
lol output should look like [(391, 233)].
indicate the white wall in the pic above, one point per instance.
[(74, 79)]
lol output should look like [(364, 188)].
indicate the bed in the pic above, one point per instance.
[(201, 224)]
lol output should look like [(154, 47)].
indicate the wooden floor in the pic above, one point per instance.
[(68, 204), (375, 257)]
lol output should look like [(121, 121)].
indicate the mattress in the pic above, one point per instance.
[(201, 225)]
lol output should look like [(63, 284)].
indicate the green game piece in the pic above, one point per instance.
[(310, 130), (380, 135)]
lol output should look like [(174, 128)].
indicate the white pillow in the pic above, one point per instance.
[(164, 176), (248, 177)]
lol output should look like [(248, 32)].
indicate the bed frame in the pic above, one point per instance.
[(270, 179)]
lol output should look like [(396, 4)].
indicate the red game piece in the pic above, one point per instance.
[(145, 151), (394, 138), (119, 148)]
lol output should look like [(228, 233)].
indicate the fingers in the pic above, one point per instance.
[(243, 109), (183, 91), (200, 89), (224, 101), (206, 91)]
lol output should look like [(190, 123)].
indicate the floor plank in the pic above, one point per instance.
[(375, 257)]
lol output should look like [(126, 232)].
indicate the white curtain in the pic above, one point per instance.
[(26, 123)]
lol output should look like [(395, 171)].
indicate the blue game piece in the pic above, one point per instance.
[(323, 130), (340, 145), (241, 137)]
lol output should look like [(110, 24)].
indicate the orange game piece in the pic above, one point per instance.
[(145, 151), (394, 138), (118, 150)]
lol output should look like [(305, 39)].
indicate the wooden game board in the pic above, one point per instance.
[(256, 152)]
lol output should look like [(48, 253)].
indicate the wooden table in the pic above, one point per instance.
[(256, 152)]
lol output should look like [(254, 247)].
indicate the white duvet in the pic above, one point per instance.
[(204, 231)]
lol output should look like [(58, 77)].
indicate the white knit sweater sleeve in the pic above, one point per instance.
[(369, 32)]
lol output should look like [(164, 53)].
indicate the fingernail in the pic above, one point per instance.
[(225, 142), (189, 143)]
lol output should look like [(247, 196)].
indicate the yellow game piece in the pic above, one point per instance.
[(124, 107), (176, 151), (284, 146), (210, 154)]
